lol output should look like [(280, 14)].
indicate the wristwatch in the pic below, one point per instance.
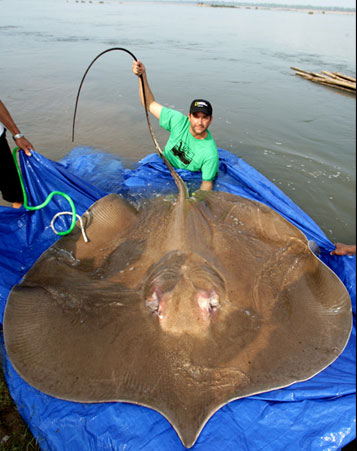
[(17, 136)]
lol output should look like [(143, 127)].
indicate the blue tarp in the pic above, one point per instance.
[(318, 414)]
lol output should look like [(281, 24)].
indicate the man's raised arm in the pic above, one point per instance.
[(153, 107)]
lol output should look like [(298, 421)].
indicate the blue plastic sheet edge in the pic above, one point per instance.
[(318, 414)]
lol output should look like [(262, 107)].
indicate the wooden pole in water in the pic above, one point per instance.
[(345, 76), (332, 79)]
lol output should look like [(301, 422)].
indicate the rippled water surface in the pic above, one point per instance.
[(299, 134)]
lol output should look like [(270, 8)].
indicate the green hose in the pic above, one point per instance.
[(49, 197)]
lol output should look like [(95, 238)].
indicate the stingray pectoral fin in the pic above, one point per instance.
[(25, 325), (105, 222), (306, 318), (109, 217), (67, 346), (286, 264), (248, 216)]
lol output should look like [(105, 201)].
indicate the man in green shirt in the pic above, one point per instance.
[(190, 145)]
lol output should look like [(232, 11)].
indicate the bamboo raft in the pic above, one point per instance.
[(332, 79)]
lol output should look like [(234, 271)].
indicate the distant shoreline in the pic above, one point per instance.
[(249, 6), (303, 9)]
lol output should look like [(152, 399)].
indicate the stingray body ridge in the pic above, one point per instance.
[(180, 305)]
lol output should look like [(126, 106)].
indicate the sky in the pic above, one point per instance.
[(325, 3)]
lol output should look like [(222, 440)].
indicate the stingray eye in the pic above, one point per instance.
[(208, 301), (214, 302), (152, 302)]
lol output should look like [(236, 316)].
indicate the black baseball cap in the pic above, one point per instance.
[(201, 106)]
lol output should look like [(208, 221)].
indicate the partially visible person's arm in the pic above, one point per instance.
[(344, 249), (209, 171), (206, 186), (10, 125), (152, 106)]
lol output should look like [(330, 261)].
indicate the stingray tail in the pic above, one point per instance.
[(183, 191)]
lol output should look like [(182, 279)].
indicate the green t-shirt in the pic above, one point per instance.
[(183, 150)]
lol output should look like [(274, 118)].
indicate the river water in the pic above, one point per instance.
[(299, 134)]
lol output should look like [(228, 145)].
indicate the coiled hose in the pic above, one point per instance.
[(46, 202)]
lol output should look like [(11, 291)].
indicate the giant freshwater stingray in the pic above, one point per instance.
[(181, 304)]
